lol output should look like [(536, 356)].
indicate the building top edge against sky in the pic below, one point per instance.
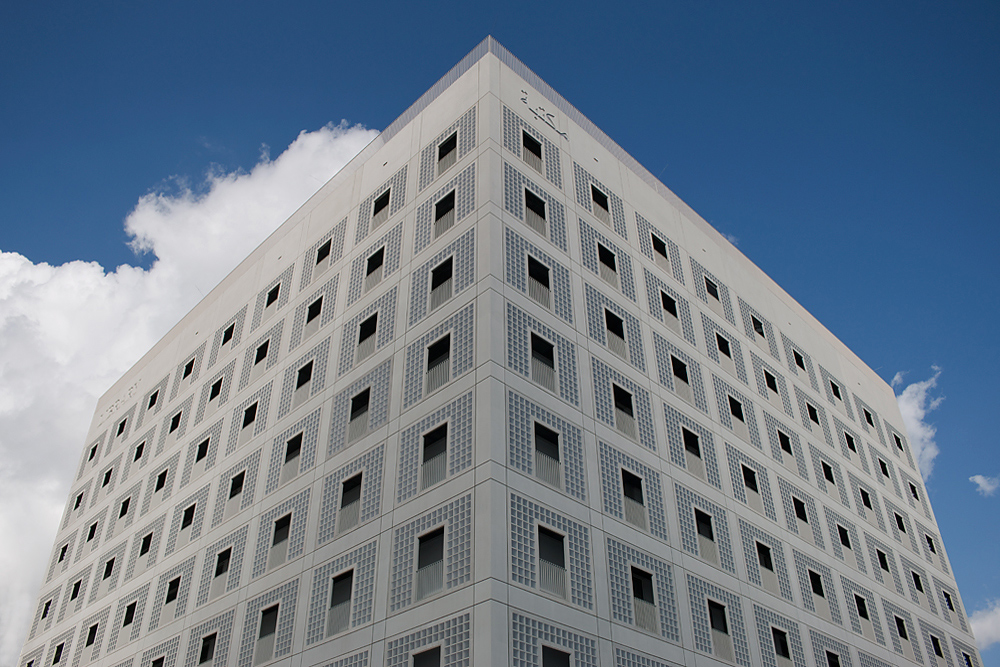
[(569, 121)]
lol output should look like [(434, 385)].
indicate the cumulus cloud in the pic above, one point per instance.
[(915, 402), (986, 486), (986, 625), (68, 332)]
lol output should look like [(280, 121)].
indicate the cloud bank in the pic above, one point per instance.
[(915, 402), (986, 486), (68, 332), (986, 625)]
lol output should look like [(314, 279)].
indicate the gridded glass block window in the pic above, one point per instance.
[(79, 503), (106, 478), (852, 592), (461, 327), (621, 558), (627, 658), (845, 539), (537, 274), (139, 453), (666, 302), (91, 455), (914, 493), (152, 401), (828, 473), (737, 461), (791, 493), (295, 377), (182, 515), (362, 561), (298, 506), (378, 408), (197, 451), (229, 334), (123, 428), (88, 646), (866, 660), (165, 589), (452, 638), (187, 371), (235, 543), (45, 614), (707, 287), (921, 579), (866, 501), (456, 519), (813, 416), (676, 425), (163, 654), (767, 622), (668, 369), (717, 339), (370, 466), (884, 471), (525, 517), (898, 444), (463, 187), (520, 326), (613, 461), (262, 400), (61, 556), (323, 253), (110, 567), (899, 523), (590, 241), (757, 326), (799, 362), (805, 568), (515, 184), (869, 419), (34, 657), (725, 394), (325, 299), (60, 647), (948, 601), (76, 593), (462, 253), (934, 642), (217, 388), (851, 445), (458, 416), (598, 199), (90, 537), (248, 467), (447, 148), (750, 536), (962, 649), (307, 431), (835, 391), (824, 643), (700, 592), (222, 627), (659, 248), (158, 479), (175, 423), (264, 350), (597, 304), (127, 619), (273, 297), (883, 562), (902, 629), (605, 380), (531, 639), (688, 502), (286, 597), (932, 547), (378, 261), (147, 541), (514, 129), (770, 380), (378, 207)]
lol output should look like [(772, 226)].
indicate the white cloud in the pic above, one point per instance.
[(68, 332), (986, 625), (986, 486), (915, 402)]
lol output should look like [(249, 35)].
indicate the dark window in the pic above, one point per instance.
[(324, 251), (835, 389), (543, 351), (439, 275), (606, 257), (428, 658), (272, 295), (771, 382), (359, 404), (868, 418), (58, 654), (531, 145), (381, 203), (917, 582), (438, 353), (341, 589), (827, 472), (268, 621), (832, 659), (92, 532), (228, 334), (430, 548), (901, 628), (947, 600), (883, 466), (850, 442), (813, 414), (799, 359), (222, 562), (615, 324), (717, 617), (91, 635), (293, 448), (62, 553), (764, 557), (899, 443), (599, 198), (351, 491), (899, 522), (447, 146), (207, 649), (845, 538), (93, 453), (175, 421), (534, 203), (862, 606), (669, 303), (642, 585), (781, 643), (436, 442), (691, 442), (913, 491), (712, 289), (785, 442), (281, 529), (261, 352), (152, 399), (121, 427), (78, 501), (375, 261), (679, 369), (445, 206), (550, 547), (865, 498), (304, 375), (250, 415), (188, 517), (800, 510), (758, 326), (723, 346), (188, 368), (659, 246), (75, 593), (109, 568), (173, 588), (750, 479), (704, 524), (202, 450), (538, 272), (107, 477), (159, 662), (632, 486), (623, 400), (147, 543), (129, 615), (45, 610), (736, 408), (816, 582), (315, 308), (236, 484), (930, 543), (936, 645), (546, 441), (883, 561), (215, 390)]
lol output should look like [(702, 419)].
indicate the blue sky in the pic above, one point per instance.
[(851, 149)]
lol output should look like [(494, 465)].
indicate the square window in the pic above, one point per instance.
[(602, 208), (121, 427), (123, 510), (444, 214), (429, 658), (315, 308), (632, 487), (75, 593), (816, 582), (261, 352), (215, 390), (771, 382), (175, 422), (324, 251), (152, 399), (442, 273), (832, 659), (913, 491), (222, 562), (351, 490), (188, 369), (827, 472), (781, 643), (750, 479), (764, 557), (703, 522), (758, 326), (606, 257), (147, 543), (800, 510), (109, 568), (228, 334), (538, 272), (851, 445), (862, 606), (615, 325), (936, 645), (836, 390), (281, 529), (723, 346), (91, 635), (236, 484), (866, 499), (447, 152), (381, 205), (736, 409), (868, 418), (129, 614), (712, 289), (623, 400), (845, 537), (207, 649), (303, 375), (173, 588), (202, 451), (659, 246), (78, 501), (359, 404), (813, 414), (375, 261), (268, 622), (899, 522), (669, 303), (883, 561), (679, 369), (92, 531), (535, 205), (785, 442), (717, 617), (62, 553), (532, 153), (691, 442), (550, 547), (188, 518), (947, 600), (161, 480), (799, 359), (250, 415), (930, 544), (293, 448), (93, 453), (901, 628), (430, 548)]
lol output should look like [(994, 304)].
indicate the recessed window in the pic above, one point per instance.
[(632, 487), (691, 442), (866, 498), (272, 295), (91, 635), (799, 359), (936, 645), (315, 308), (121, 427), (129, 614), (228, 334), (438, 356), (188, 517), (92, 531), (703, 523), (918, 583), (202, 450), (607, 258), (913, 491), (764, 557), (712, 289), (602, 209), (429, 658), (813, 414), (359, 404), (750, 479), (93, 453), (615, 325), (380, 207), (532, 153), (543, 362), (188, 369), (207, 651), (158, 662), (447, 152), (930, 543), (173, 588), (679, 369), (832, 659), (434, 457), (668, 303), (862, 606), (845, 537), (816, 582), (444, 214), (350, 492), (851, 444), (375, 262), (62, 553), (441, 276), (109, 568), (780, 638), (868, 418), (303, 375), (623, 400), (175, 422), (222, 562), (884, 467), (78, 501), (736, 409), (899, 522), (901, 628), (717, 617), (659, 247), (723, 346), (430, 563), (323, 252), (250, 415), (551, 550), (236, 484), (800, 510), (215, 390), (947, 600), (161, 480), (146, 544), (785, 442), (835, 389), (57, 656), (123, 509), (758, 326), (535, 215), (75, 593), (268, 622), (45, 609), (771, 382), (883, 561), (340, 602), (899, 443), (281, 529), (293, 448), (827, 472), (152, 399)]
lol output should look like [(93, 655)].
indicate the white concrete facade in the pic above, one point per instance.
[(529, 409)]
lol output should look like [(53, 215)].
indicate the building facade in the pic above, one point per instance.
[(496, 396)]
